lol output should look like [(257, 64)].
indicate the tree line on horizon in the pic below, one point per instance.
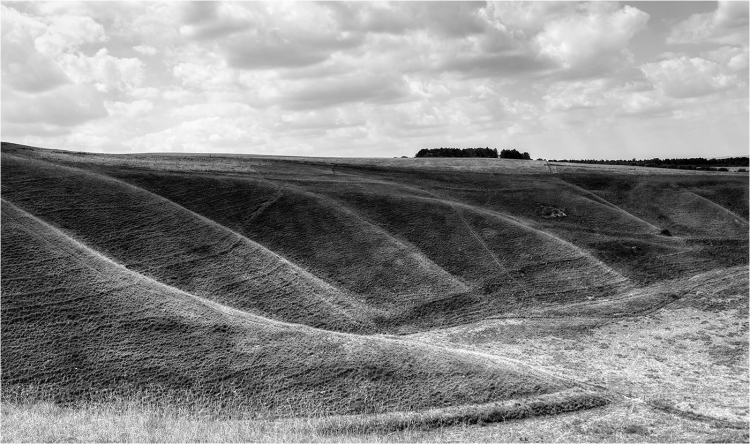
[(472, 152), (692, 163)]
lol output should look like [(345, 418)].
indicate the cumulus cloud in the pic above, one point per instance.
[(734, 58), (106, 72), (312, 77), (145, 50), (727, 25), (205, 76), (267, 35), (66, 32), (593, 40), (689, 77), (23, 67), (644, 104), (547, 39)]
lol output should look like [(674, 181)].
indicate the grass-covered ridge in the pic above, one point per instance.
[(88, 325), (259, 280)]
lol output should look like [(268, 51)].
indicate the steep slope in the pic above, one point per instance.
[(155, 237), (400, 248), (683, 205), (322, 235), (385, 249), (83, 326), (603, 215)]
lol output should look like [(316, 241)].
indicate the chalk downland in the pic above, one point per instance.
[(257, 280), (78, 324)]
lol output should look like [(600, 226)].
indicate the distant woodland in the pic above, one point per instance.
[(694, 163), (472, 152), (457, 152)]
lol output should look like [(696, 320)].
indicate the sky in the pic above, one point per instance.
[(560, 80)]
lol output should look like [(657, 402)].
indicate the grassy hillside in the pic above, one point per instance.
[(155, 237), (258, 280), (83, 326)]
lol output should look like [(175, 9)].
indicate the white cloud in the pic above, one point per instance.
[(529, 18), (145, 50), (368, 78), (727, 25), (68, 32), (197, 135), (689, 77), (145, 93), (593, 39), (564, 96), (23, 67), (137, 108), (177, 94), (643, 103), (205, 76), (107, 73), (734, 58)]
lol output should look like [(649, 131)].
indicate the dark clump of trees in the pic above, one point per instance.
[(457, 152), (693, 163), (514, 154)]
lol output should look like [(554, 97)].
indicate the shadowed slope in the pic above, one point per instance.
[(395, 245), (77, 323), (160, 239), (674, 204), (322, 235), (396, 248), (600, 215)]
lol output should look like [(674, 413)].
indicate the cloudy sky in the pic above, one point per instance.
[(371, 79)]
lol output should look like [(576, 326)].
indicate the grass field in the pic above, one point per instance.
[(180, 298)]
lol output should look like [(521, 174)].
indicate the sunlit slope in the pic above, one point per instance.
[(160, 239), (84, 326)]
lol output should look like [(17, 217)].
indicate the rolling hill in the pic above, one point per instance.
[(261, 280)]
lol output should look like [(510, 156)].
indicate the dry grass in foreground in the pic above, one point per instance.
[(46, 422), (143, 421)]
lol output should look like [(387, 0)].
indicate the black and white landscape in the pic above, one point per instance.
[(215, 227)]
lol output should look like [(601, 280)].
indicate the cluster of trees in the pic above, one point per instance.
[(472, 152), (457, 152), (514, 154), (693, 163)]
